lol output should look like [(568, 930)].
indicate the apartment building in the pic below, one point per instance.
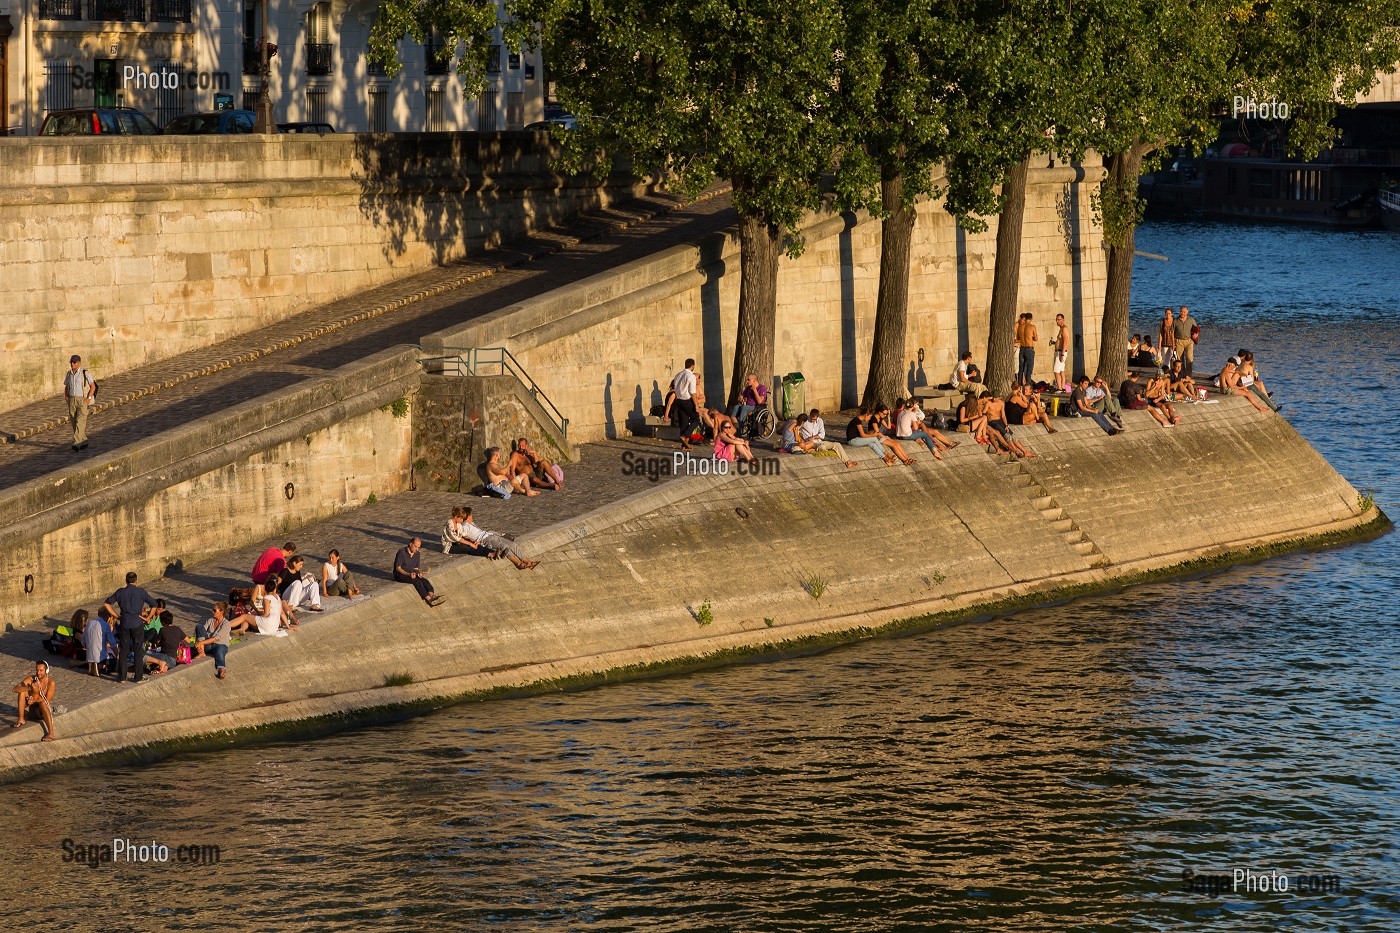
[(168, 57)]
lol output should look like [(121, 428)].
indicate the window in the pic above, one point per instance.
[(60, 9), (318, 44), (493, 61), (437, 110), (58, 86), (513, 61), (435, 62), (378, 110), (170, 101), (316, 105), (250, 99), (486, 111)]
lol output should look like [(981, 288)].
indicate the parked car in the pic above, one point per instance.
[(212, 122), (98, 121), (306, 127), (565, 121)]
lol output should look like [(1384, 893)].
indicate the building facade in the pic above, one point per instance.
[(168, 57)]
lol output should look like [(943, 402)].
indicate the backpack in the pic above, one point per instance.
[(95, 387), (1195, 333)]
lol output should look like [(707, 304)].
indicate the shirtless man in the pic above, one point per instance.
[(1028, 335), (1229, 380), (1061, 351), (37, 692), (1158, 406), (542, 476), (995, 411)]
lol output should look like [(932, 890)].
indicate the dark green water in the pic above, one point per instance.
[(1057, 770)]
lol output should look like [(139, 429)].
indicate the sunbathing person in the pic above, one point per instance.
[(880, 422), (497, 545), (1181, 383), (997, 428), (728, 443), (1229, 383), (502, 480), (1025, 407), (1250, 380), (544, 474), (971, 417), (860, 433), (36, 692), (1156, 397)]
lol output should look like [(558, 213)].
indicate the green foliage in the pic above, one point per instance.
[(704, 615), (372, 499), (398, 680), (420, 464), (768, 622), (398, 406), (814, 584), (1366, 501), (466, 27)]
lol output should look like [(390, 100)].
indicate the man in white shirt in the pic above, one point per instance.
[(814, 429), (78, 387), (683, 408)]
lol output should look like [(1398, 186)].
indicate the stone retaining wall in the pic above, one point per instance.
[(257, 471), (604, 349), (648, 583), (129, 250)]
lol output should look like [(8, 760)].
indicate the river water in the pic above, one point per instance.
[(1056, 770)]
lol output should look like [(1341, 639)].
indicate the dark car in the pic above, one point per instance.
[(565, 121), (213, 122), (98, 121), (306, 127)]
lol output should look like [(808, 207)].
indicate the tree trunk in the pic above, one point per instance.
[(885, 381), (759, 242), (1123, 170), (1006, 281)]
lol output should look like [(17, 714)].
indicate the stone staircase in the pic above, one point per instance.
[(1022, 478)]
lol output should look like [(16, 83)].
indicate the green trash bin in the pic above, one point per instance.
[(794, 395)]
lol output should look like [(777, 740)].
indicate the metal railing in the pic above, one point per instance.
[(492, 361), (318, 58), (117, 11), (171, 11), (60, 9), (1390, 199)]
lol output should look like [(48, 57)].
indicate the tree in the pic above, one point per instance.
[(1016, 87), (893, 133), (700, 90), (465, 26)]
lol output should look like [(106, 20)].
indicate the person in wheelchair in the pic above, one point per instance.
[(753, 397)]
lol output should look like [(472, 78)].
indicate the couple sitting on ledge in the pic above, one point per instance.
[(471, 538)]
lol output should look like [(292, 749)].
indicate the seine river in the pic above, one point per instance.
[(1061, 769)]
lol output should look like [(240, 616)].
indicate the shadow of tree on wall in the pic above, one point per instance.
[(460, 193), (1067, 209)]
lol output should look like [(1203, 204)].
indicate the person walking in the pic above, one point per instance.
[(1184, 343), (683, 410), (80, 390), (129, 605)]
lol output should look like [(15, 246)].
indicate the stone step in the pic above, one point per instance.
[(1053, 515), (1044, 502), (1021, 480), (1064, 525), (1086, 548)]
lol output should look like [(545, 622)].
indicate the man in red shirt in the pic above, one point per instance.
[(272, 562)]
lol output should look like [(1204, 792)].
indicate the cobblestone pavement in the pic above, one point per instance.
[(156, 398), (366, 537)]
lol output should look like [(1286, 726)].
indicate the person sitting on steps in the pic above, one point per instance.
[(37, 692)]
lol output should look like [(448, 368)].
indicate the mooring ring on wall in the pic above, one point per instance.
[(29, 582), (921, 354), (290, 491)]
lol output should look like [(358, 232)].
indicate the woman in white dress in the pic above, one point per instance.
[(273, 617)]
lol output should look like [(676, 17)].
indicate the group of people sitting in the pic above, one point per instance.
[(1240, 377), (524, 471)]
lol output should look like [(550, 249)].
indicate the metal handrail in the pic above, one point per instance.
[(1391, 199), (472, 361)]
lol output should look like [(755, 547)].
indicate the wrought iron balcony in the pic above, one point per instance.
[(60, 9), (318, 58), (171, 11), (252, 63), (117, 11)]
